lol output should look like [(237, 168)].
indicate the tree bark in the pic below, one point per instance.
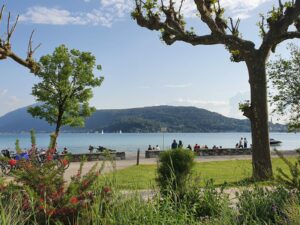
[(57, 128), (261, 159)]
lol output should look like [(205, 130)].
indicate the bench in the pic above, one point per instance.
[(152, 153), (224, 151), (95, 156)]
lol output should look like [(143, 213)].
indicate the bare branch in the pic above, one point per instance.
[(6, 50), (11, 30), (31, 50)]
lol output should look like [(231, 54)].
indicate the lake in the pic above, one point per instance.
[(130, 142)]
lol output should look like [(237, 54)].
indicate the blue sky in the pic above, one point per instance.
[(139, 69)]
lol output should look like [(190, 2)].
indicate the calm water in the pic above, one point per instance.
[(79, 142)]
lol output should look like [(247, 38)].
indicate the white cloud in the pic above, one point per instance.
[(105, 15), (43, 15), (144, 87), (14, 102), (236, 8), (3, 92), (177, 85), (110, 11), (221, 107), (234, 101), (201, 102)]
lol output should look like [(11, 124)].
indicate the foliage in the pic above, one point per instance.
[(17, 146), (261, 205), (173, 170), (67, 79), (32, 138), (205, 202), (291, 211), (148, 119), (291, 180), (132, 209), (11, 211), (284, 76), (45, 192)]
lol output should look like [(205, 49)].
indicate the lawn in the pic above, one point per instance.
[(233, 172)]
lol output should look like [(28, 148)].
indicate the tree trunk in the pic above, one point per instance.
[(261, 159), (57, 129)]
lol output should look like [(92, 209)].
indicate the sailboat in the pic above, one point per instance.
[(120, 132), (102, 132)]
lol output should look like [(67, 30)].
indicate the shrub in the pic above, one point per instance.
[(291, 181), (10, 211), (291, 212), (261, 205), (132, 209), (207, 201), (173, 170)]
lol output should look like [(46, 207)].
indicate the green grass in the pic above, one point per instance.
[(233, 172)]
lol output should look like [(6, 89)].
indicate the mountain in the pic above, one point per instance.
[(147, 119)]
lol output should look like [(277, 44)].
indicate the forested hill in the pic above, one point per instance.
[(147, 119)]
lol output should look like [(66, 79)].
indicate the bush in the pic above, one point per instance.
[(291, 181), (207, 201), (173, 171), (132, 209), (262, 205)]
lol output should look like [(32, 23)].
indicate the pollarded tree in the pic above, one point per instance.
[(6, 48), (166, 16), (284, 75), (67, 79)]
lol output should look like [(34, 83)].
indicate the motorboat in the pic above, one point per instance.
[(274, 142)]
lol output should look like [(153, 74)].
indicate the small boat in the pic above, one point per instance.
[(102, 132), (274, 142)]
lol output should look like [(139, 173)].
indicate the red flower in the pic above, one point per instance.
[(49, 157), (107, 190), (74, 200), (50, 212), (12, 162), (65, 162), (85, 183)]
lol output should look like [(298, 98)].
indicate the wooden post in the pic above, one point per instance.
[(138, 157)]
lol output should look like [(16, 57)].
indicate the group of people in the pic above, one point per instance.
[(175, 145), (243, 143), (157, 148)]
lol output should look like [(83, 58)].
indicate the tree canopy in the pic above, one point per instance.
[(284, 76), (67, 78), (280, 24)]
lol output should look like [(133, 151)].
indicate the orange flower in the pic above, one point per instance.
[(74, 200)]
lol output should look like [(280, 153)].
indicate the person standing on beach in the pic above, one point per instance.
[(245, 143), (174, 144), (241, 143), (180, 144)]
